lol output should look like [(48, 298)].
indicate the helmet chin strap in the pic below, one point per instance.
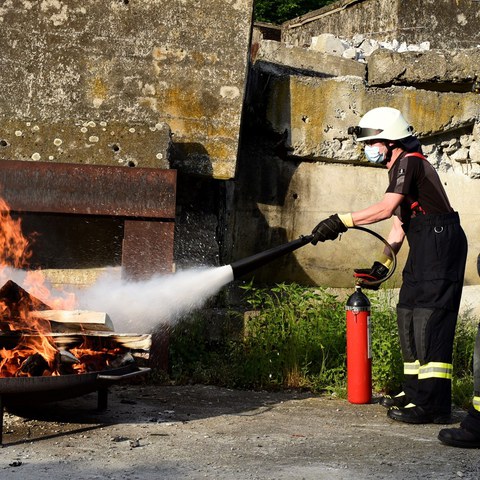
[(388, 156)]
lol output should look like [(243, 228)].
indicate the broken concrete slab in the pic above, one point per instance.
[(328, 43), (316, 112), (438, 66), (475, 152), (279, 58)]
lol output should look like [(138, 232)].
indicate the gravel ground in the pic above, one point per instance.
[(193, 432)]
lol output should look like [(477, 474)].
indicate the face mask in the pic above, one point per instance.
[(373, 154)]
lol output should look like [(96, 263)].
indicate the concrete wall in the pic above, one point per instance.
[(91, 82), (444, 23), (317, 112)]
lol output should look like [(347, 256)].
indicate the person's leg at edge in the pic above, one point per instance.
[(468, 434)]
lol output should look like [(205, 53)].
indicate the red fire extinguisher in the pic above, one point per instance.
[(359, 353)]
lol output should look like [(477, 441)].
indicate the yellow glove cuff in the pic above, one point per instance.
[(386, 261), (346, 219)]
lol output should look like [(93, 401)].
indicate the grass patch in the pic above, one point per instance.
[(290, 336)]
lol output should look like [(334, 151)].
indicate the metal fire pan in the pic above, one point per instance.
[(33, 390)]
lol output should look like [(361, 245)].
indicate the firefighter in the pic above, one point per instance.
[(432, 283), (468, 434)]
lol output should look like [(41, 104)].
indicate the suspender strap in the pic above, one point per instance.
[(415, 207)]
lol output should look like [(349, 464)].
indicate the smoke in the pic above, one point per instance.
[(9, 273), (140, 306)]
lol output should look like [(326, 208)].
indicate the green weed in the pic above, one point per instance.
[(387, 363), (463, 346), (289, 336), (296, 338)]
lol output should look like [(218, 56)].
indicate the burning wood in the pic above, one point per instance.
[(33, 366), (75, 320), (15, 307), (40, 341), (57, 352), (47, 337)]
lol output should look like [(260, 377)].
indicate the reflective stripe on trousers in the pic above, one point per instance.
[(435, 370), (472, 421), (411, 368), (429, 370)]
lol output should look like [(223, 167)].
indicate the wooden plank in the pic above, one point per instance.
[(130, 341), (75, 320)]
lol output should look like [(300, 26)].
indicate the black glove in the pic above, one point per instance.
[(328, 229), (377, 272)]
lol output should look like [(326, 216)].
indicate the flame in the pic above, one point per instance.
[(94, 360), (35, 283), (35, 352), (14, 363), (15, 249)]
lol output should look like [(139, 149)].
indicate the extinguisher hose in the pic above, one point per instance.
[(375, 283)]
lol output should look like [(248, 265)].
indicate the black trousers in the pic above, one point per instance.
[(428, 307)]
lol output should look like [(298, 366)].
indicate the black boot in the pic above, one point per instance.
[(399, 401), (416, 414), (459, 437)]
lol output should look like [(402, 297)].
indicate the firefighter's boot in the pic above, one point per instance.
[(459, 437), (399, 401)]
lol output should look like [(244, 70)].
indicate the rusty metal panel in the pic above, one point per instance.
[(147, 248), (49, 187)]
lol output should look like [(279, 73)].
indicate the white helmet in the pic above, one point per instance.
[(384, 123)]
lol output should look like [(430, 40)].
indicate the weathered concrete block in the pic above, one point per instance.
[(317, 112), (132, 62), (276, 57), (88, 142), (437, 66)]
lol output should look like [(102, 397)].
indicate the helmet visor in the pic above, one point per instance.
[(361, 132)]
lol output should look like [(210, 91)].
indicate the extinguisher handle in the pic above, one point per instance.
[(374, 284)]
